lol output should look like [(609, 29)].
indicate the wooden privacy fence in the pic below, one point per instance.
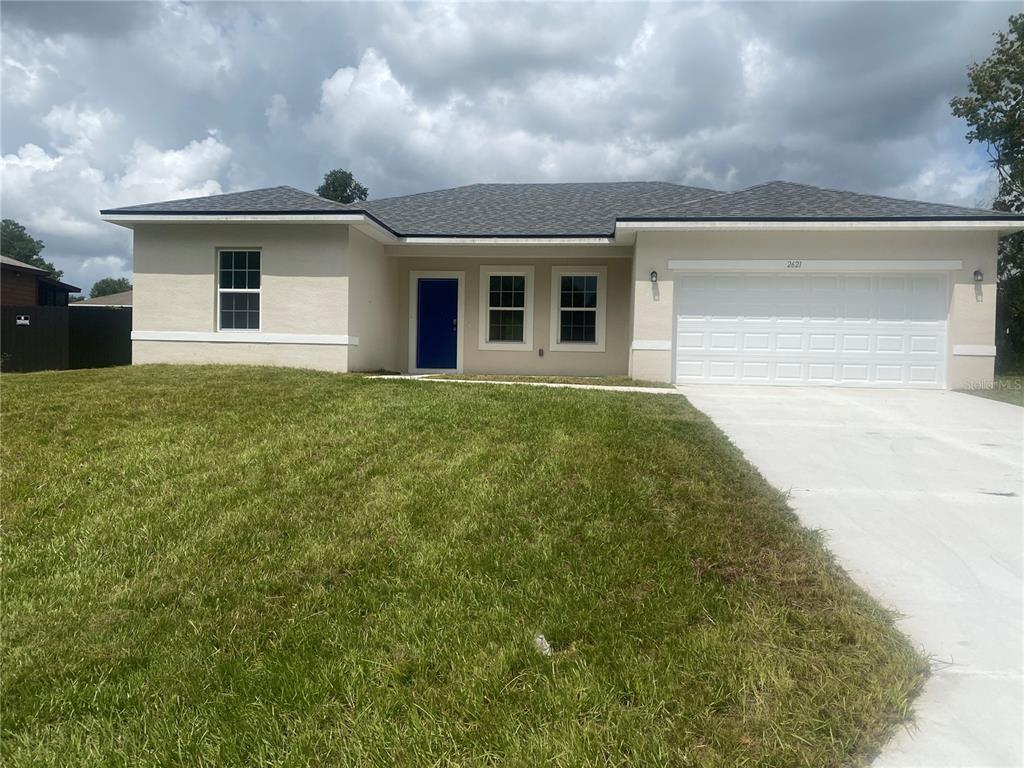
[(56, 338), (33, 338), (100, 336)]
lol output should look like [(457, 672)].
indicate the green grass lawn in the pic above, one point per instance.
[(1008, 388), (228, 566), (606, 381)]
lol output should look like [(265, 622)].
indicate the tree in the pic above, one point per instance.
[(994, 111), (340, 185), (17, 243), (108, 285)]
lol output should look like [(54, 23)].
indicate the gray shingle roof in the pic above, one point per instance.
[(786, 200), (573, 209), (581, 209), (268, 200)]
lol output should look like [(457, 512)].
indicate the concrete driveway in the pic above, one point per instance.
[(920, 496)]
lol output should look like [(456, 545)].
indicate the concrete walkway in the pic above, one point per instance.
[(920, 495), (555, 385)]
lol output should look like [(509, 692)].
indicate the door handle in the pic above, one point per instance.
[(455, 323)]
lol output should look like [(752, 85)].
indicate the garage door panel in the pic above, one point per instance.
[(924, 374), (756, 342), (856, 342), (722, 369), (789, 372), (924, 343), (789, 342), (690, 370), (855, 330), (722, 341), (822, 342), (855, 373)]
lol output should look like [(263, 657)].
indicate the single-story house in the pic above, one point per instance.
[(120, 300), (22, 285), (780, 283)]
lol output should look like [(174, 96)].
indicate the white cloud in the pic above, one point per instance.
[(278, 113), (111, 105), (945, 178), (97, 267), (75, 130), (154, 174), (61, 193), (24, 79), (369, 118), (57, 194)]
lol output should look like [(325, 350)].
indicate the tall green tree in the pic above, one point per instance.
[(17, 243), (107, 285), (341, 186), (994, 111)]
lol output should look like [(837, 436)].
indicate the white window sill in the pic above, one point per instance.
[(505, 346), (577, 347)]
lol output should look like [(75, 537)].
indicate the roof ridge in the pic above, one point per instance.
[(704, 199), (811, 187), (536, 184), (883, 197), (418, 194), (310, 194)]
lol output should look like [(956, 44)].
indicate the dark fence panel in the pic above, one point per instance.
[(33, 338), (101, 336)]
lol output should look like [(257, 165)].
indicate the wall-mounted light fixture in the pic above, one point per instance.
[(978, 276), (654, 276)]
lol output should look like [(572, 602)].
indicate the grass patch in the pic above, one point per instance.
[(239, 566), (1007, 388), (604, 381)]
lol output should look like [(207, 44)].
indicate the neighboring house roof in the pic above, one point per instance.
[(42, 274), (573, 209), (7, 261), (788, 201), (123, 299)]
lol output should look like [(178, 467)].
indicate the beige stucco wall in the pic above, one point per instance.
[(972, 306), (319, 357), (308, 270), (469, 259), (372, 316), (305, 290)]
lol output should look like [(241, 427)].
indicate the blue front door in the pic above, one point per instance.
[(437, 317)]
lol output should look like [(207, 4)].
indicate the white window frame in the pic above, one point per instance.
[(220, 290), (557, 273), (484, 319)]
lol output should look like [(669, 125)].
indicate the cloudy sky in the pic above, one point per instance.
[(109, 104)]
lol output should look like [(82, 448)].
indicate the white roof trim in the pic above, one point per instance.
[(234, 218), (358, 220), (507, 241), (888, 226), (624, 230)]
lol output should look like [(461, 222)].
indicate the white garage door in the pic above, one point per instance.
[(885, 330)]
